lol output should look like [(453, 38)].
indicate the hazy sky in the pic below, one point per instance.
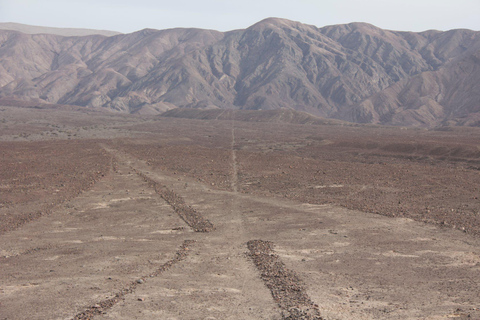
[(129, 16)]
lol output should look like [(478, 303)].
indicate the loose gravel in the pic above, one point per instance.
[(286, 287), (102, 306), (188, 214)]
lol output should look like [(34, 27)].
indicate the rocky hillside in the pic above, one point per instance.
[(354, 72), (67, 32)]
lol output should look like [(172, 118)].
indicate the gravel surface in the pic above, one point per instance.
[(188, 214), (286, 287), (95, 228), (426, 175), (102, 306), (40, 176)]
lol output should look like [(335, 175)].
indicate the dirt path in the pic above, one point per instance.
[(234, 177), (218, 270), (351, 264)]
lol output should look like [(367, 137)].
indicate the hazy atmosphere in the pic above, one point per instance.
[(128, 16)]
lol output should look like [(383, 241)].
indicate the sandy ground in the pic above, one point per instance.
[(118, 240)]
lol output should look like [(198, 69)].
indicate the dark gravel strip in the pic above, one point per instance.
[(104, 305), (186, 212), (15, 222), (286, 287)]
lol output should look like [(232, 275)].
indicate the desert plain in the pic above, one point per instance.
[(235, 215)]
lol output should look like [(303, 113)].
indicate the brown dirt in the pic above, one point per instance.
[(103, 306), (38, 176), (116, 215), (429, 176)]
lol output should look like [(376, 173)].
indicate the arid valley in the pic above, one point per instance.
[(277, 171), (235, 215)]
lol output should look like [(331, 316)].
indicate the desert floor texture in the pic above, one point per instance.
[(107, 216)]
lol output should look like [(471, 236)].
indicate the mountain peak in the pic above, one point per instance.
[(362, 26), (276, 22)]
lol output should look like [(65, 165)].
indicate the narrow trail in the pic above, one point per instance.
[(288, 293), (235, 208), (234, 182)]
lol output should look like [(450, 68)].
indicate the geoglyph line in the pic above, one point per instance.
[(284, 284), (234, 158), (104, 305), (188, 214)]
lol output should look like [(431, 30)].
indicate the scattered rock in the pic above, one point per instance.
[(286, 287)]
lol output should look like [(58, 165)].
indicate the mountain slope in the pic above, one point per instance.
[(450, 95), (355, 72), (67, 32)]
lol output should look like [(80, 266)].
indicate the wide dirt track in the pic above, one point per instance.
[(104, 216)]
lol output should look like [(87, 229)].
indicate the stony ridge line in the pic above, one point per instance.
[(286, 287), (106, 304), (188, 214)]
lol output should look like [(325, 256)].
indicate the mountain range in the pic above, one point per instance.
[(67, 32), (353, 72)]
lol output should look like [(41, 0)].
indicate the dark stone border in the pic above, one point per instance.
[(286, 287), (186, 212), (102, 306)]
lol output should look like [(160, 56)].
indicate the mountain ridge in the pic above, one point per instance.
[(66, 32), (355, 72)]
